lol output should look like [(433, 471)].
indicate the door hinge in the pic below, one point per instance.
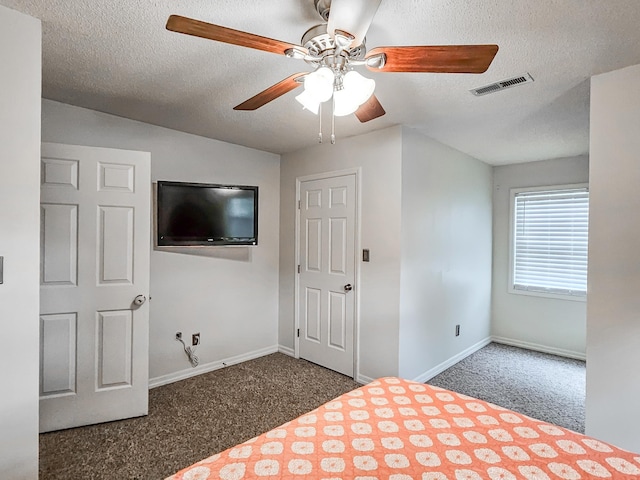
[(298, 268), (298, 333), (299, 203)]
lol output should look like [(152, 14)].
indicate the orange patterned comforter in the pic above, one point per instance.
[(400, 430)]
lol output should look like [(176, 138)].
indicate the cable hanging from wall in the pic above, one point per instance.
[(189, 351)]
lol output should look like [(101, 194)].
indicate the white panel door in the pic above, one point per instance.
[(326, 301), (95, 242)]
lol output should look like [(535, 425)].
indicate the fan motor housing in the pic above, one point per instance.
[(320, 44), (317, 40)]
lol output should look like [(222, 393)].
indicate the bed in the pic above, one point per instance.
[(400, 430)]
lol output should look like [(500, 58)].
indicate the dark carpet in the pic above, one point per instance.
[(192, 419), (542, 386)]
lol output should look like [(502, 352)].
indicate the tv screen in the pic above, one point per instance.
[(206, 214)]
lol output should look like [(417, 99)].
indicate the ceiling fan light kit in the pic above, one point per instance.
[(309, 102), (343, 104), (360, 87), (349, 90), (320, 84), (334, 49)]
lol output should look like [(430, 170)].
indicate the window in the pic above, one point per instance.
[(549, 240)]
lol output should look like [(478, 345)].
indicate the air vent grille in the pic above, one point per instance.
[(509, 82)]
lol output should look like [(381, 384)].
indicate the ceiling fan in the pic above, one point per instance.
[(333, 49)]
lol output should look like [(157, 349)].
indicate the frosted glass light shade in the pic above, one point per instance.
[(344, 103), (359, 87), (308, 101), (319, 84)]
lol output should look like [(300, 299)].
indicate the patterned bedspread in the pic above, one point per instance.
[(400, 430)]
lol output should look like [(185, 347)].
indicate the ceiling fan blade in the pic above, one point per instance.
[(434, 59), (352, 16), (198, 28), (271, 93), (370, 110)]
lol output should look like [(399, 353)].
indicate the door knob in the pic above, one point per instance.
[(139, 300), (348, 287)]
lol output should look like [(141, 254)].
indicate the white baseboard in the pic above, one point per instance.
[(291, 352), (286, 350), (209, 367), (363, 379), (539, 348), (429, 374)]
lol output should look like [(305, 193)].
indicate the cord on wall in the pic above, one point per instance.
[(189, 351)]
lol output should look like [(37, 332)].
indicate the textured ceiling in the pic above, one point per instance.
[(116, 57)]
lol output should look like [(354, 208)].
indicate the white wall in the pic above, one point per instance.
[(548, 324), (613, 304), (446, 254), (379, 156), (230, 296), (20, 54)]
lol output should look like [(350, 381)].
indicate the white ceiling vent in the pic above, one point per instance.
[(495, 87)]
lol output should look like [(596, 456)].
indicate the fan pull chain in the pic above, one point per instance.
[(333, 121), (320, 123)]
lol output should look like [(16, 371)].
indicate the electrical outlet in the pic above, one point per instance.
[(195, 339), (178, 335), (457, 330)]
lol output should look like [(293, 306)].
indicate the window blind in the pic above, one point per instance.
[(550, 241)]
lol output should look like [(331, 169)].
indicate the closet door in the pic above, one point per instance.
[(326, 300)]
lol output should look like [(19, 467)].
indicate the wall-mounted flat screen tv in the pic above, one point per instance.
[(206, 214)]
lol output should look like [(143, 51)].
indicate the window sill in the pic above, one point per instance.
[(556, 296)]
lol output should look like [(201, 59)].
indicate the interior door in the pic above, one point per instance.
[(326, 299), (95, 242)]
